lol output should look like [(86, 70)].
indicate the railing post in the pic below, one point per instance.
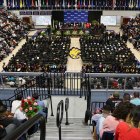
[(42, 128), (125, 80), (2, 81), (88, 111), (60, 132), (49, 94), (66, 109), (59, 116)]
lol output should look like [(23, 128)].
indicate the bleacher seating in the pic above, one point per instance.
[(41, 54), (12, 30), (132, 29)]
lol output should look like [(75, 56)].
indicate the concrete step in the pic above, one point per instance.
[(63, 138), (74, 131)]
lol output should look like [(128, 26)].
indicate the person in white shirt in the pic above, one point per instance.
[(20, 115), (16, 103)]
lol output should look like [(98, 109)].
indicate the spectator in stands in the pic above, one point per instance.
[(129, 130), (136, 99), (106, 111), (120, 114), (6, 118), (43, 109), (16, 103), (126, 97), (113, 101), (7, 130), (96, 115)]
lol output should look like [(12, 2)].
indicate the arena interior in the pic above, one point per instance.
[(69, 69)]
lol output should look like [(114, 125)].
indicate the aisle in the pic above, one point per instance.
[(134, 51), (74, 65)]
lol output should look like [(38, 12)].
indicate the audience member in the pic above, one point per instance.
[(16, 103), (106, 111), (119, 114), (113, 101), (130, 129), (126, 97), (43, 109), (5, 117), (136, 99)]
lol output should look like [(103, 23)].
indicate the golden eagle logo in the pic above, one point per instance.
[(75, 53)]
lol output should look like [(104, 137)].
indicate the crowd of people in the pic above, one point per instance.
[(41, 54), (12, 29), (132, 29), (118, 119), (10, 120), (107, 54)]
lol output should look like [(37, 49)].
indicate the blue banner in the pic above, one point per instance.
[(75, 16)]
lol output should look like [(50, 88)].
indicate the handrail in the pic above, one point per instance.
[(66, 110), (88, 94), (88, 98), (59, 116), (27, 125), (90, 74)]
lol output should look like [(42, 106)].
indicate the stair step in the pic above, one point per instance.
[(74, 131), (63, 138)]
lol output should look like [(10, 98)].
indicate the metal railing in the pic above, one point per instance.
[(8, 103), (95, 105), (39, 84), (59, 116), (70, 83), (66, 110), (27, 125)]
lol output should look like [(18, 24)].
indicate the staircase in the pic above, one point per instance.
[(74, 131)]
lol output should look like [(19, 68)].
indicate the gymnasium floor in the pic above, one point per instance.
[(73, 65)]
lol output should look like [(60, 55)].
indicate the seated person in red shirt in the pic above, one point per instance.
[(129, 130)]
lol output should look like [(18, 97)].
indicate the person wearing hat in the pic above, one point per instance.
[(113, 100)]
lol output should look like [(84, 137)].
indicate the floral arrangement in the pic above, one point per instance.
[(74, 32), (29, 106), (81, 32)]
